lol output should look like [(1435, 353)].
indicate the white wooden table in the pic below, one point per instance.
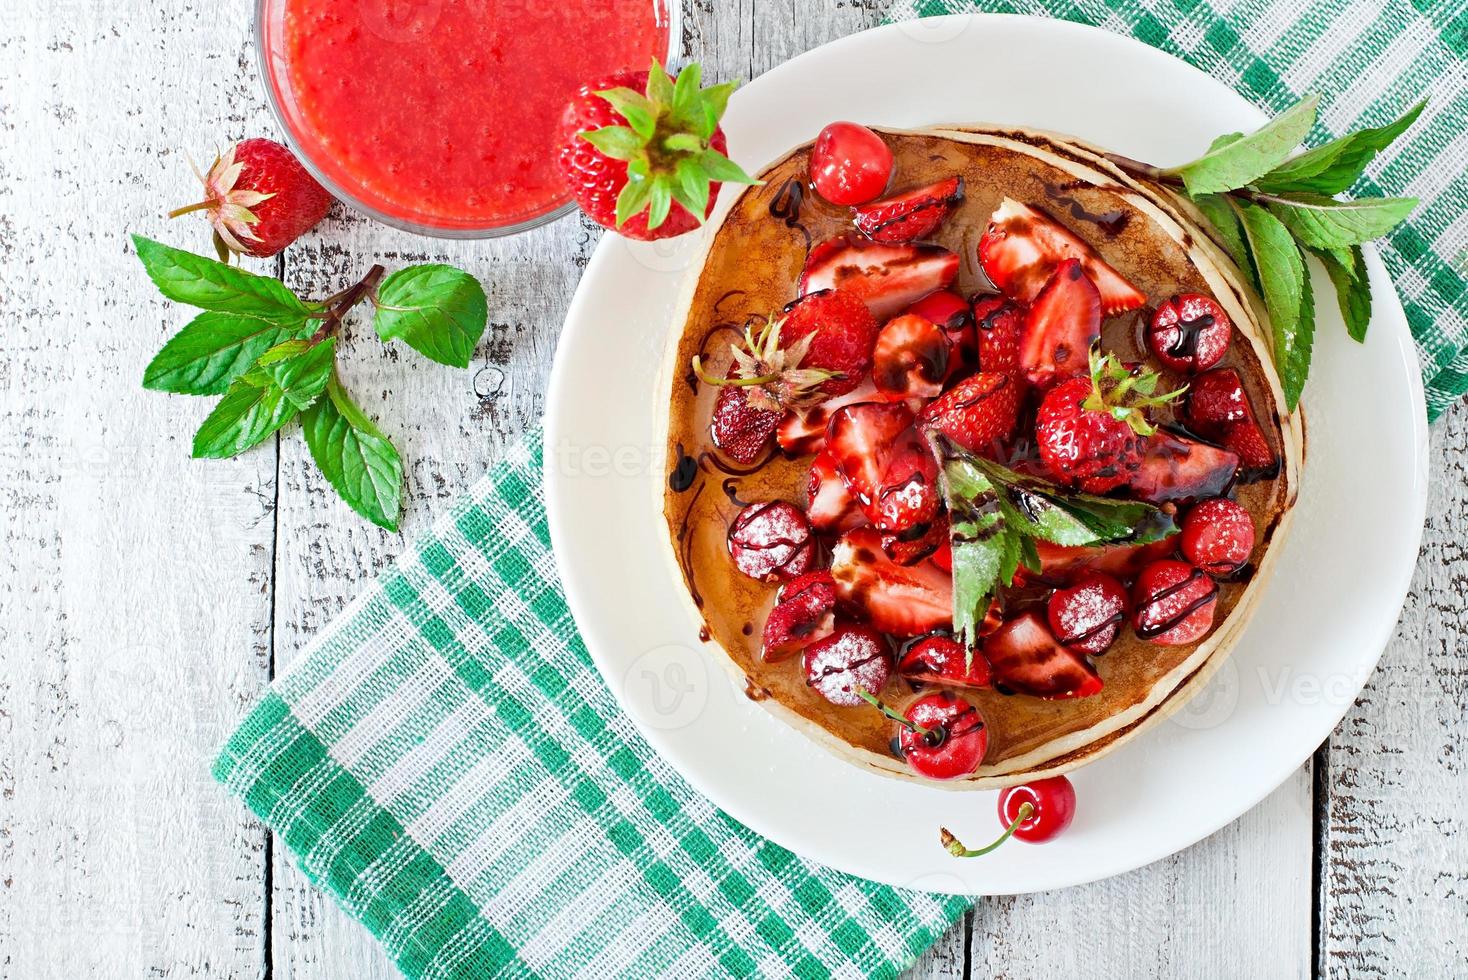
[(145, 598)]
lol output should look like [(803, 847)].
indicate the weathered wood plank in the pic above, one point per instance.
[(1394, 895), (134, 599)]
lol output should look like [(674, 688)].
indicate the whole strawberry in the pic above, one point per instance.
[(259, 199), (1091, 431), (643, 154)]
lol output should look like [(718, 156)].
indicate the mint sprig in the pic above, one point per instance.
[(996, 515), (272, 355), (1269, 210)]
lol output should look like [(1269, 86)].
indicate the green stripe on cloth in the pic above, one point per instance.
[(446, 762), (1369, 61)]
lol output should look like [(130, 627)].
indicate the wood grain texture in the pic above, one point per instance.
[(145, 598), (134, 615), (1394, 854)]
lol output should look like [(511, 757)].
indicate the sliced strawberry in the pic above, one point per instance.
[(1023, 245), (904, 600), (910, 359), (940, 659), (1025, 657), (860, 438), (804, 612), (998, 324), (1219, 408), (739, 430), (908, 498), (888, 278), (803, 433), (978, 413), (1121, 560), (1061, 325), (1174, 603), (832, 507), (1177, 468), (911, 215), (908, 548)]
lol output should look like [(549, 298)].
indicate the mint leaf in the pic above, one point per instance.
[(244, 417), (188, 278), (299, 369), (1347, 271), (1230, 164), (1225, 222), (1281, 274), (1333, 167), (1324, 222), (355, 457), (212, 350), (437, 310)]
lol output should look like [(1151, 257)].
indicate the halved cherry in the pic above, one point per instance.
[(940, 659), (998, 324), (1062, 323), (804, 612), (1218, 536), (1023, 246), (832, 508), (772, 541), (1173, 603), (1087, 615), (853, 658), (1025, 657), (1175, 467), (1035, 812), (888, 278), (904, 600), (910, 359), (945, 737), (950, 311), (1189, 333)]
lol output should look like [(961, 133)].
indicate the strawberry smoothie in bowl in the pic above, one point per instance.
[(440, 117)]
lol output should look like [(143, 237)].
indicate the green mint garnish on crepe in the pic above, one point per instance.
[(997, 515), (1270, 209)]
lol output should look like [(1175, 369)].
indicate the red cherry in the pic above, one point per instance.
[(1088, 615), (1174, 603), (849, 164), (1218, 536), (772, 541), (944, 736), (1034, 812), (1189, 333), (1052, 807), (853, 661)]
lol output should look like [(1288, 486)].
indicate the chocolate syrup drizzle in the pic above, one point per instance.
[(685, 471), (1111, 223), (785, 206), (685, 548)]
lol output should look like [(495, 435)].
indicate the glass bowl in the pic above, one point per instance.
[(269, 16)]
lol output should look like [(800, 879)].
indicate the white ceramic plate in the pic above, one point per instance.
[(1330, 609)]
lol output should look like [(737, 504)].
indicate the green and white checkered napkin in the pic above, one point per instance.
[(447, 763)]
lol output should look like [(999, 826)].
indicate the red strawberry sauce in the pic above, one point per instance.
[(443, 112)]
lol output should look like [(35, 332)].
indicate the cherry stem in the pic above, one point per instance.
[(907, 723), (187, 209), (955, 846), (342, 302)]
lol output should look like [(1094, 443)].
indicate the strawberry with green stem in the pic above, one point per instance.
[(643, 153)]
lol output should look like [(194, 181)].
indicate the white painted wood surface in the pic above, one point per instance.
[(145, 598)]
